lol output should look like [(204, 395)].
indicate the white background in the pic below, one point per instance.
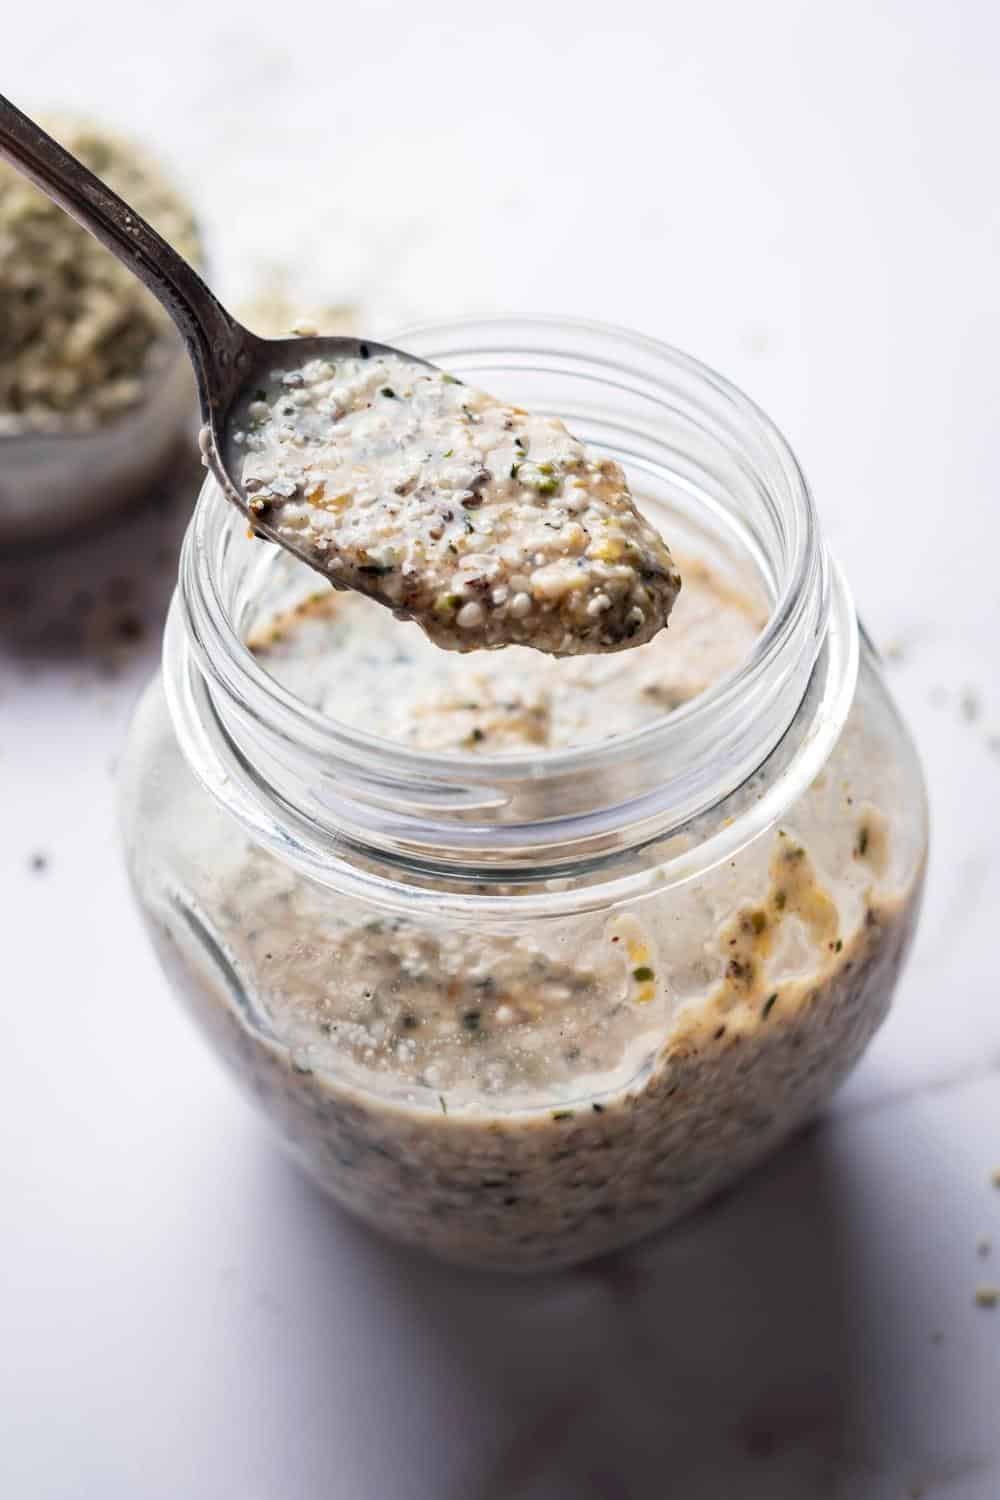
[(806, 197)]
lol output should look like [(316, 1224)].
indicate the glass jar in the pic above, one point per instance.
[(521, 1009)]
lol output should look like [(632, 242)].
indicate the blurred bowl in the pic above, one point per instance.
[(54, 484)]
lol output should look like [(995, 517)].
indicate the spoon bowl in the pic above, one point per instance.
[(256, 362), (448, 523)]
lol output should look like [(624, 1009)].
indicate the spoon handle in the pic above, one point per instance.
[(217, 344)]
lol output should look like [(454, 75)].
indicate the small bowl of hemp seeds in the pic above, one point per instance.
[(95, 386)]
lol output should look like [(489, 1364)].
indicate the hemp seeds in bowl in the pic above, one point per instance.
[(95, 388)]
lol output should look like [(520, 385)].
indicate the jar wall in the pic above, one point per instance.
[(653, 1049)]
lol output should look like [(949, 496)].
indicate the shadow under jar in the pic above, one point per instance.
[(522, 1008)]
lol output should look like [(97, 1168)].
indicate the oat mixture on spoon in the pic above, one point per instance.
[(487, 525)]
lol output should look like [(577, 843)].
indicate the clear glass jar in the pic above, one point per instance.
[(691, 930)]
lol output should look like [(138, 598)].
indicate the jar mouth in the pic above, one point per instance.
[(699, 443)]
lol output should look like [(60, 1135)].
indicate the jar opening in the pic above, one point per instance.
[(698, 453)]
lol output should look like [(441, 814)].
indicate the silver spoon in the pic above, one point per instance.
[(579, 605), (228, 359)]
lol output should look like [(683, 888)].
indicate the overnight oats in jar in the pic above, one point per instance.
[(527, 956)]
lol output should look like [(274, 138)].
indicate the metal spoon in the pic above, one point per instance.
[(579, 605), (227, 358)]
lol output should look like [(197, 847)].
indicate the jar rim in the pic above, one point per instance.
[(773, 675)]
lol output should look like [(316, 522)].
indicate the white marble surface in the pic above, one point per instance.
[(806, 197)]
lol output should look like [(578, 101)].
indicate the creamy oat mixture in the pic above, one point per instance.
[(485, 524), (79, 335), (533, 1097)]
